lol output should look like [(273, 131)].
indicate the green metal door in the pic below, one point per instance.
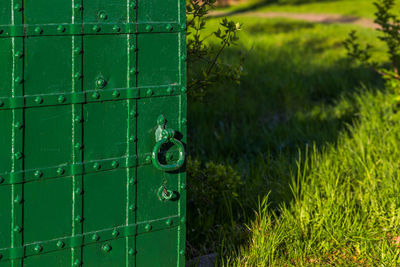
[(92, 143)]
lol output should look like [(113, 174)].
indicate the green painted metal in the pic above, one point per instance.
[(93, 113)]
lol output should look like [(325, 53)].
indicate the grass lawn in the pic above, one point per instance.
[(312, 136), (359, 8)]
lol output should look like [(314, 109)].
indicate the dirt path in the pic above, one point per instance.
[(311, 17)]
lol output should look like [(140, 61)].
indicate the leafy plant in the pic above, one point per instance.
[(205, 67), (389, 26)]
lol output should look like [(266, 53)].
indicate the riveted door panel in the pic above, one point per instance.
[(104, 11), (6, 118), (105, 62), (48, 136), (158, 59), (84, 179), (158, 249), (105, 125), (53, 74), (47, 211), (6, 56), (105, 254), (104, 200), (154, 10), (58, 258), (45, 12), (5, 215)]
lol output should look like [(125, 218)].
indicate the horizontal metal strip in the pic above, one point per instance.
[(88, 29), (89, 96), (95, 237), (65, 170)]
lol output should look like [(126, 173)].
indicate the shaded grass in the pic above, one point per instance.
[(346, 199), (299, 91)]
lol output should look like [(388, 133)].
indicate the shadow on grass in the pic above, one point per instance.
[(291, 98)]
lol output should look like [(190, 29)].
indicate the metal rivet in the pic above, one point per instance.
[(38, 174), (96, 166), (183, 26), (182, 252), (101, 83), (18, 155), (1, 180), (96, 95), (132, 71), (78, 191), (169, 222), (61, 28), (78, 146), (1, 103), (148, 158), (60, 244), (60, 171), (79, 219), (38, 30), (133, 47), (183, 89), (77, 263), (115, 164), (61, 99), (169, 90), (169, 27), (116, 28), (19, 54), (132, 207), (18, 80), (106, 248), (184, 121), (183, 220), (18, 199), (149, 92), (96, 28), (132, 181), (132, 138), (102, 15), (38, 248), (18, 229), (149, 28), (95, 237), (78, 6), (78, 50), (183, 186), (132, 4), (78, 75), (78, 119), (19, 125), (133, 113), (183, 57), (116, 94), (147, 227), (17, 7), (39, 100), (115, 233), (131, 251)]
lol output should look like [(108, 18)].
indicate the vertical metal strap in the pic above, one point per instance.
[(77, 133), (183, 130), (131, 134), (17, 133)]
